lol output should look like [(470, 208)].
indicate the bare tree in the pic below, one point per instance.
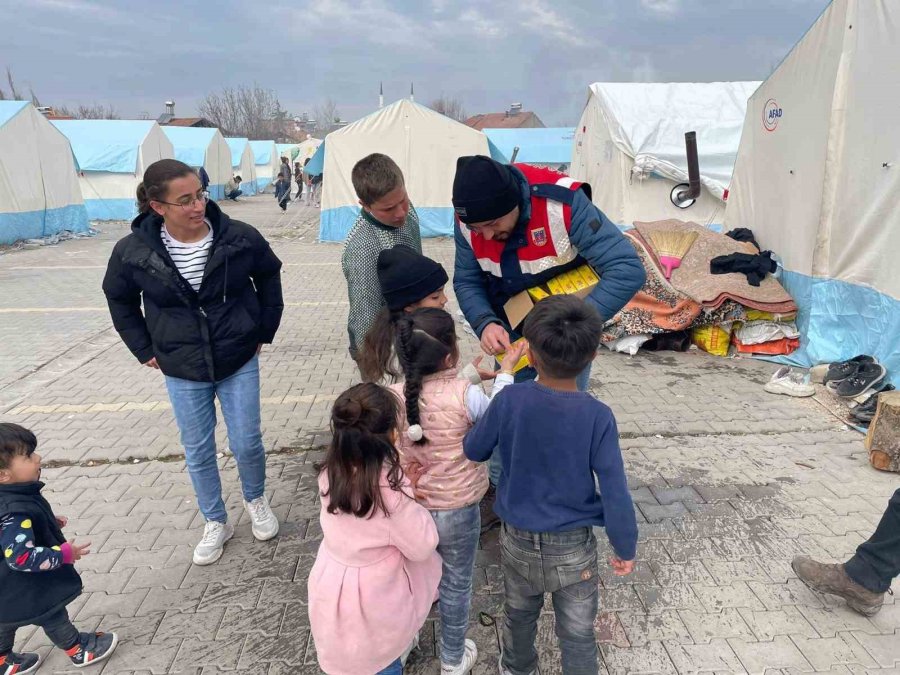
[(13, 92), (327, 117), (96, 111), (449, 106), (251, 112)]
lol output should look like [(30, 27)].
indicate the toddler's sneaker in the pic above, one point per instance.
[(93, 648), (215, 534), (263, 522), (19, 664), (470, 655)]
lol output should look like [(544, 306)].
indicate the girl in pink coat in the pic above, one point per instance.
[(377, 569)]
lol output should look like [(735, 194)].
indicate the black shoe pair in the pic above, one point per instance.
[(855, 376)]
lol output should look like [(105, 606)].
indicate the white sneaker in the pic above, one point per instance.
[(470, 655), (263, 522), (215, 534), (790, 383)]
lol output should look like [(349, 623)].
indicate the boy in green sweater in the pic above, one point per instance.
[(387, 218)]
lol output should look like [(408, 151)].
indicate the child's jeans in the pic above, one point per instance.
[(58, 628), (565, 565), (395, 668), (458, 533)]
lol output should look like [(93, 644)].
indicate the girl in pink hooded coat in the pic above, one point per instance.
[(377, 569)]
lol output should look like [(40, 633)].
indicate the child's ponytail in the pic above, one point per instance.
[(363, 421), (376, 358), (424, 340)]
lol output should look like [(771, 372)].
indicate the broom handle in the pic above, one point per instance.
[(693, 164)]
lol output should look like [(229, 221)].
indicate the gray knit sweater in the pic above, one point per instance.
[(366, 240)]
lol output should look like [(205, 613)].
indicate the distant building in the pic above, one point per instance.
[(168, 119), (514, 118)]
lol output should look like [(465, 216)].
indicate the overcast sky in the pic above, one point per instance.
[(135, 55)]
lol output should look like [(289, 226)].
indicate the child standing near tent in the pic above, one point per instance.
[(298, 176), (439, 409), (387, 218), (376, 571)]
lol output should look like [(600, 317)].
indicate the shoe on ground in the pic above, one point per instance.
[(489, 519), (215, 534), (20, 664), (93, 648), (866, 378), (470, 656), (865, 411), (832, 579), (264, 523), (841, 371), (790, 383)]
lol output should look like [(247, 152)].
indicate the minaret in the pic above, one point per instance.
[(380, 95), (412, 94)]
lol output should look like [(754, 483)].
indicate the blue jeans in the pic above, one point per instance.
[(877, 560), (395, 668), (195, 412), (458, 534), (563, 564), (234, 194), (583, 381)]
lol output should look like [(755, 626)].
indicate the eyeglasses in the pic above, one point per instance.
[(203, 198)]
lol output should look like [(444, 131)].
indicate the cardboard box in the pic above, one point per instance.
[(579, 282)]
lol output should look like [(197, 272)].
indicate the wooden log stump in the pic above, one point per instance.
[(883, 438)]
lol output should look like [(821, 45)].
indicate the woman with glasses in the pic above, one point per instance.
[(211, 294)]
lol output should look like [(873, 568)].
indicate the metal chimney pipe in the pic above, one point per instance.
[(693, 191)]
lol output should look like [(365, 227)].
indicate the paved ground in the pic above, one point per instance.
[(729, 482)]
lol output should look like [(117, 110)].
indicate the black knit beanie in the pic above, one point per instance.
[(407, 277), (483, 189)]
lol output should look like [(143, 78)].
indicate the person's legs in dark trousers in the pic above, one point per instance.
[(877, 560), (58, 627), (234, 194)]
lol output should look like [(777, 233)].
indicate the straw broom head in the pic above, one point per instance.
[(671, 246)]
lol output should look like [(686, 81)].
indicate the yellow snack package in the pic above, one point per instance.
[(537, 293), (523, 362)]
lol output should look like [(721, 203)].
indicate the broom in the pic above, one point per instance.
[(671, 246)]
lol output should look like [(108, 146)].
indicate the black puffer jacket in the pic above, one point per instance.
[(206, 335)]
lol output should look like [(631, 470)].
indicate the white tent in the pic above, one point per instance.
[(425, 145), (39, 193), (111, 156), (817, 179), (201, 146), (268, 162), (243, 163), (629, 145), (306, 149)]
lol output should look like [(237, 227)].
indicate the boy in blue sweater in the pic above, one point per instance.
[(553, 441)]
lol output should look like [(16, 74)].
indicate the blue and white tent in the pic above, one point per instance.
[(39, 193), (243, 164), (111, 157), (267, 160), (424, 143), (204, 147), (817, 181), (550, 146)]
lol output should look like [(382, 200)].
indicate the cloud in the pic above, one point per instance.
[(663, 8), (543, 20)]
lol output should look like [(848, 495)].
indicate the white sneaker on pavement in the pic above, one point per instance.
[(215, 534), (470, 655), (263, 522), (790, 383)]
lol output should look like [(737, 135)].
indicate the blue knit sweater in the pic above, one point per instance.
[(551, 445)]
